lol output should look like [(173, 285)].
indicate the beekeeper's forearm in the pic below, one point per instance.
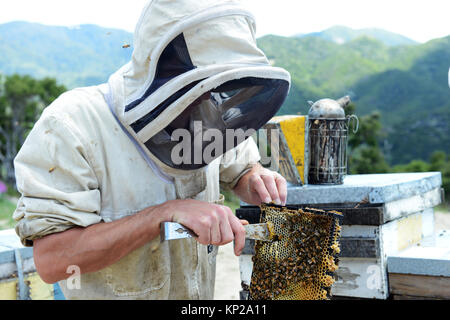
[(96, 247)]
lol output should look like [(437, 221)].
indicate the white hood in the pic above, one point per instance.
[(214, 42)]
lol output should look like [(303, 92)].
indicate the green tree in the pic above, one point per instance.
[(413, 166), (22, 99), (439, 162), (445, 170), (365, 155)]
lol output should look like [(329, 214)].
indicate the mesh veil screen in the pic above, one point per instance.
[(301, 261)]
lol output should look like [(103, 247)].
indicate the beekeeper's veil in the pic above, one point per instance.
[(195, 72)]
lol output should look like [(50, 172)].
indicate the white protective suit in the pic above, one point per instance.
[(93, 157)]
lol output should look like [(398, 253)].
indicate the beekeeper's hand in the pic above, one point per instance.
[(214, 224), (261, 185)]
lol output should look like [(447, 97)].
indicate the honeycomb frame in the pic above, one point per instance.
[(301, 262)]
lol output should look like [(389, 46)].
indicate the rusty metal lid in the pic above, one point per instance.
[(329, 108)]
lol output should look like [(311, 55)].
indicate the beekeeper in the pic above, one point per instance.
[(106, 165)]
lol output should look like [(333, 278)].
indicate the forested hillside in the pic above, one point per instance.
[(78, 56)]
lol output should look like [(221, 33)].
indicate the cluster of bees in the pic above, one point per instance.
[(301, 262)]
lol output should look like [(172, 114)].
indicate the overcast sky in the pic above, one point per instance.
[(420, 20)]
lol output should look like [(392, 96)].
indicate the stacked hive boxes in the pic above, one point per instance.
[(384, 214), (422, 271)]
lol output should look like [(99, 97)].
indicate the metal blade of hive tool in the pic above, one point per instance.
[(260, 231), (175, 231)]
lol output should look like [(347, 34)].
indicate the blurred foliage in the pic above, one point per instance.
[(366, 155), (7, 208), (22, 100), (439, 162), (231, 200)]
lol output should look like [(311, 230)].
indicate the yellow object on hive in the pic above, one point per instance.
[(8, 289), (38, 289), (292, 150)]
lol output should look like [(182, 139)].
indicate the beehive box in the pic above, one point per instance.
[(383, 215), (18, 277), (422, 271)]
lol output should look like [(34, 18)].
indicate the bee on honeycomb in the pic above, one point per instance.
[(301, 262)]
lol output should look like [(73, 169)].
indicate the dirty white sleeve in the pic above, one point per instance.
[(58, 186), (237, 162)]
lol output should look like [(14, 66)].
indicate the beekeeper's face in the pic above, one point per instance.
[(183, 120), (218, 120)]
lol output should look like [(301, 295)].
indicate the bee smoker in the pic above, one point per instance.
[(328, 139)]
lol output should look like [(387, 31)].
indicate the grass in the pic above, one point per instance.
[(7, 208), (231, 200), (443, 207)]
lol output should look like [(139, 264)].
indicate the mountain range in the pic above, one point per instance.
[(343, 34), (407, 82), (76, 56)]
